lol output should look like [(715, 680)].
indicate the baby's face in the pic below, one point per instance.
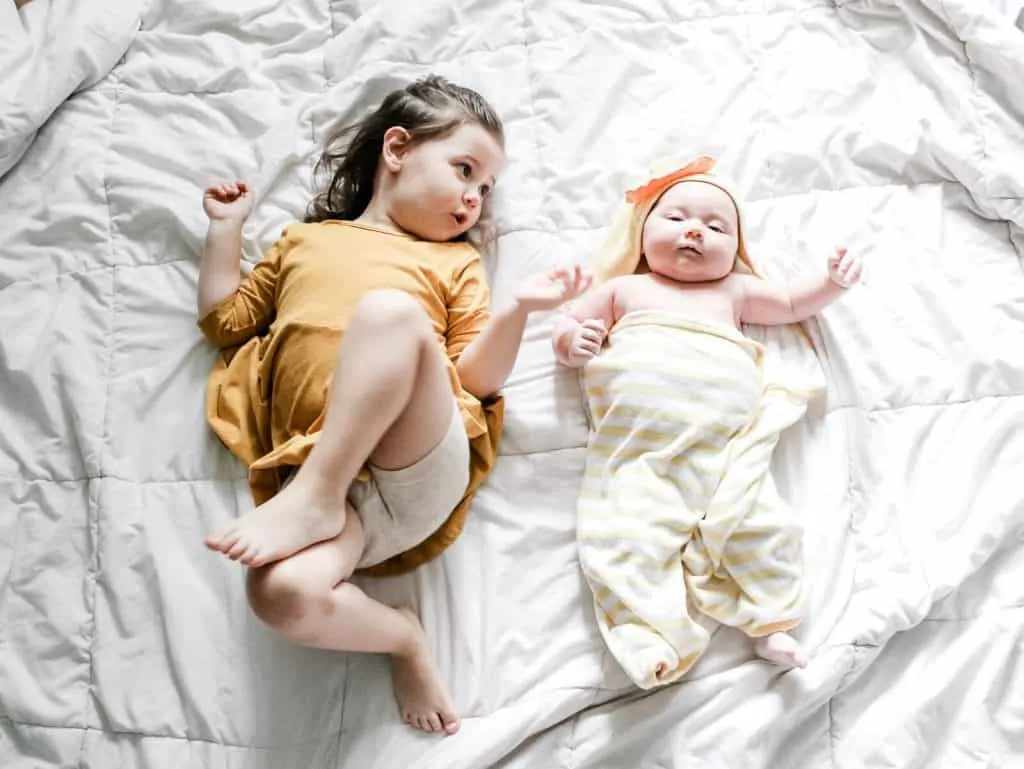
[(692, 234)]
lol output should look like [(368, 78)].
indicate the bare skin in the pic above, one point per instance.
[(392, 409), (308, 600), (422, 697), (781, 649), (690, 247)]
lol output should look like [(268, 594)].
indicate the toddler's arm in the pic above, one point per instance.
[(227, 205), (580, 332), (488, 360), (767, 303)]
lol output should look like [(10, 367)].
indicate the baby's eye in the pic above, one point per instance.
[(718, 228), (465, 170), (485, 190), (675, 217)]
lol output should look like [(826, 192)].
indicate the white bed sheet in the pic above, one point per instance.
[(49, 50), (892, 126)]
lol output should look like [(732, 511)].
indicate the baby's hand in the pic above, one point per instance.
[(845, 268), (552, 289), (227, 201), (586, 342)]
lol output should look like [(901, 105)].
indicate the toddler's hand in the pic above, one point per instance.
[(227, 201), (552, 289), (586, 342), (844, 268)]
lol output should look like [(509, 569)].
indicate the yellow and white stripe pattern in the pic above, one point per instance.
[(677, 504)]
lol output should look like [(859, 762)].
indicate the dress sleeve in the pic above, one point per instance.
[(468, 307), (250, 310)]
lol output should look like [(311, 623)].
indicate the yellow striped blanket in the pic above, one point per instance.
[(678, 511)]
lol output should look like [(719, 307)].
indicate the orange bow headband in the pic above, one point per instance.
[(622, 250), (655, 188)]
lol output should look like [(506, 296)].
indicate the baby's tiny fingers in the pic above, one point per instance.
[(582, 353)]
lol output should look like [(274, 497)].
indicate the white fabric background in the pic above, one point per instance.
[(894, 126)]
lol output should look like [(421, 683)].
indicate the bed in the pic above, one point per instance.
[(895, 127)]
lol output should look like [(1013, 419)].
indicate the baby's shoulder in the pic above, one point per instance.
[(635, 281), (737, 283)]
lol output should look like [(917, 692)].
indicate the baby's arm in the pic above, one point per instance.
[(580, 332), (227, 205), (768, 303)]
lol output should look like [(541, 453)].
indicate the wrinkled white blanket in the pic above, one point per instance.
[(893, 126)]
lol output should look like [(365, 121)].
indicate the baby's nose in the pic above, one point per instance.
[(693, 231)]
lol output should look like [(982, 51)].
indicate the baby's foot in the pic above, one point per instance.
[(422, 697), (299, 516), (781, 649)]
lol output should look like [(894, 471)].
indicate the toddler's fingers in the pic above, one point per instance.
[(558, 274), (854, 273), (588, 280)]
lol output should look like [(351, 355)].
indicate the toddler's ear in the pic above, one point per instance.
[(395, 148)]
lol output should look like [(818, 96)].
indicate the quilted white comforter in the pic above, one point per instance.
[(894, 126)]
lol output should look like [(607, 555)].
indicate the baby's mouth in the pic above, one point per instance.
[(690, 250), (460, 219)]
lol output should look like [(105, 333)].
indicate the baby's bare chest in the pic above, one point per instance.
[(709, 302)]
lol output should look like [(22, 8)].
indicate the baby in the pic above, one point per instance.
[(678, 511)]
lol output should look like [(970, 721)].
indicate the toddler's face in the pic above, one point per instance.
[(692, 234), (442, 184)]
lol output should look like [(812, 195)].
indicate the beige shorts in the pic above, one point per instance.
[(401, 508)]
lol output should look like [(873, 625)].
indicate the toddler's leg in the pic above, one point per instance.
[(390, 402), (307, 600)]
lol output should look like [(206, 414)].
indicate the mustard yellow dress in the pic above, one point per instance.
[(280, 332)]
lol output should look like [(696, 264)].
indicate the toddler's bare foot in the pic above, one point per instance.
[(422, 697), (781, 649), (299, 516)]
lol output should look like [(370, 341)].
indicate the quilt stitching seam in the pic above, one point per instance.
[(156, 736)]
